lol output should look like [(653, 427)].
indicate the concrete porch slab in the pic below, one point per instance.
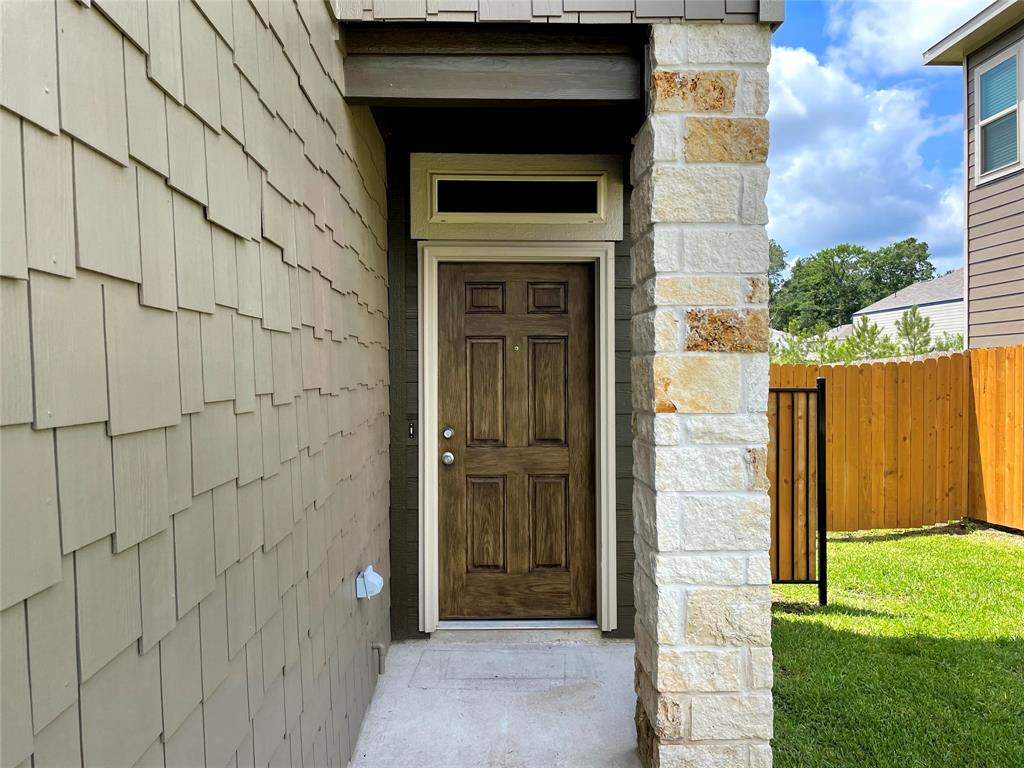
[(505, 700)]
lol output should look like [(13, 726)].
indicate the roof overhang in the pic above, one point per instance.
[(997, 18)]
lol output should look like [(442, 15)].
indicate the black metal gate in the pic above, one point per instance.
[(796, 472)]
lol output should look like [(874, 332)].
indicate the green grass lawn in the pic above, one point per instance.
[(918, 660)]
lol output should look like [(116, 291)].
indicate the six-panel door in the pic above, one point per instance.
[(516, 385)]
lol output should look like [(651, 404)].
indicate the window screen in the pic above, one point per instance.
[(517, 196), (999, 88), (998, 93)]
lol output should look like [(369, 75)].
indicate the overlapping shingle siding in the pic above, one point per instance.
[(194, 439), (561, 11)]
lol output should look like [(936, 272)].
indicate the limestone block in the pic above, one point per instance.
[(739, 716), (727, 429), (726, 43), (726, 140), (696, 290), (697, 383), (733, 616), (695, 91), (719, 522), (727, 330), (700, 569), (698, 670), (729, 251), (696, 194), (707, 468)]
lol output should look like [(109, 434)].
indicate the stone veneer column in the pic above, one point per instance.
[(700, 388)]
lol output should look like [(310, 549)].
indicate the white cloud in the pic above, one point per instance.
[(847, 165), (887, 37)]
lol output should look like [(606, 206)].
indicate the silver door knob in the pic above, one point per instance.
[(447, 458)]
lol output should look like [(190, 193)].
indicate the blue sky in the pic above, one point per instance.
[(867, 143)]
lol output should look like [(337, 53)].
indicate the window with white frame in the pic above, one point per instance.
[(998, 133)]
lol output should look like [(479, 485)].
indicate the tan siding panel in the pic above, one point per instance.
[(250, 447), (67, 351), (193, 250), (241, 603), (16, 392), (193, 553), (225, 714), (60, 743), (49, 202), (121, 710), (250, 517), (156, 577), (185, 745), (214, 447), (29, 530), (244, 362), (227, 174), (165, 47), (190, 361), (218, 356), (28, 62), (213, 629), (199, 63), (109, 614), (13, 255), (147, 116), (53, 662), (91, 69), (179, 466), (159, 287), (186, 153), (142, 362), (106, 216), (225, 268), (180, 673), (15, 704), (85, 481), (225, 525), (140, 486)]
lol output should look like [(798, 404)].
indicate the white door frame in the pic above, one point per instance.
[(602, 255)]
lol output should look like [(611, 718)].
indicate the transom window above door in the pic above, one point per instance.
[(516, 197), (997, 121)]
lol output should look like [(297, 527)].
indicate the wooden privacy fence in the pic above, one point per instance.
[(918, 442)]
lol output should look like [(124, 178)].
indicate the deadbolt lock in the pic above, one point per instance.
[(448, 433)]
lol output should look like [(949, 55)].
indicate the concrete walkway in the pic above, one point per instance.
[(503, 699)]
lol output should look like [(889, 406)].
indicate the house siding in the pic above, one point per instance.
[(194, 439), (995, 233), (947, 317)]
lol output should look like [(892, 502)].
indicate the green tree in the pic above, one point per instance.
[(949, 342), (867, 342), (776, 264), (914, 332), (827, 287), (894, 267)]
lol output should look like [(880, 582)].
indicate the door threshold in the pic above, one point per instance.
[(477, 624)]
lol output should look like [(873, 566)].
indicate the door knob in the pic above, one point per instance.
[(448, 433), (447, 458)]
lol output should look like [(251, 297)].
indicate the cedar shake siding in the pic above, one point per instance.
[(194, 440), (995, 232)]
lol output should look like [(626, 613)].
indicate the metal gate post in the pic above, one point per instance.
[(822, 498)]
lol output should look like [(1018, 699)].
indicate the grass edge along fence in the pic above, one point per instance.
[(923, 441)]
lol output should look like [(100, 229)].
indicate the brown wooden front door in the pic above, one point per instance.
[(516, 384)]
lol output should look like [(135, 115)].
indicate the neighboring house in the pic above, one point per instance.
[(941, 300), (287, 292), (990, 48)]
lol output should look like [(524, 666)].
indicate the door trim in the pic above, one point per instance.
[(602, 255)]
